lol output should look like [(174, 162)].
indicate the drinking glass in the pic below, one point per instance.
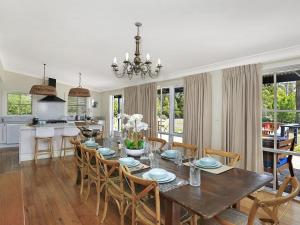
[(178, 159), (145, 155), (154, 159), (195, 175)]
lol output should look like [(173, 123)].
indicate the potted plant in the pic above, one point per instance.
[(132, 130)]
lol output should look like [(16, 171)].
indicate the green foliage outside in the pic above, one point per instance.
[(286, 100), (19, 104)]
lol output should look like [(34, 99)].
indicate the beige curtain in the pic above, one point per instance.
[(147, 106), (142, 99), (241, 122), (197, 111), (131, 100)]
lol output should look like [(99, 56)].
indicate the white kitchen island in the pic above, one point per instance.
[(27, 142)]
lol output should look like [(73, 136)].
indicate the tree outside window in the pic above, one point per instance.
[(19, 104)]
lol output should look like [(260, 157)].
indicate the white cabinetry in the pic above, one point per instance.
[(2, 133), (13, 133)]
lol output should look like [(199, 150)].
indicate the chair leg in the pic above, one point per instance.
[(50, 147), (81, 183), (133, 220), (122, 213), (106, 200), (98, 197), (88, 189)]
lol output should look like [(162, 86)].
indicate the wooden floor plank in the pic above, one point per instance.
[(11, 199)]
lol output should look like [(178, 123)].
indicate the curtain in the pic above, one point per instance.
[(147, 106), (131, 100), (197, 111), (142, 99), (241, 122)]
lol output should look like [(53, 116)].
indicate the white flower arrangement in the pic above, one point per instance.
[(133, 127)]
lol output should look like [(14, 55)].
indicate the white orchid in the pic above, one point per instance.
[(141, 126), (136, 117)]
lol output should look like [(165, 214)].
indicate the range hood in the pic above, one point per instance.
[(52, 82)]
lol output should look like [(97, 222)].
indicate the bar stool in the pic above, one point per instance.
[(68, 133), (43, 134)]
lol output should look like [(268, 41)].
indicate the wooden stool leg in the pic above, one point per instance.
[(36, 150), (65, 147), (61, 145), (51, 147)]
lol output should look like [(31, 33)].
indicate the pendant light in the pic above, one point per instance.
[(43, 89), (79, 91)]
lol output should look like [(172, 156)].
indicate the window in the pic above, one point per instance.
[(19, 104), (280, 117), (170, 113), (117, 109), (77, 105)]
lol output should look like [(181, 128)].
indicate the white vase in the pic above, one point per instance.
[(134, 152)]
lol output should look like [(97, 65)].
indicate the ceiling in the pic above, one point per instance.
[(74, 36)]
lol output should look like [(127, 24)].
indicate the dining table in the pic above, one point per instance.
[(216, 193)]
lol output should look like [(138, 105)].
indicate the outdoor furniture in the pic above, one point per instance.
[(282, 160), (294, 126)]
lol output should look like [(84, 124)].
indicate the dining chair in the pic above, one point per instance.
[(93, 173), (114, 187), (189, 150), (147, 211), (157, 142), (231, 157), (269, 206), (81, 164)]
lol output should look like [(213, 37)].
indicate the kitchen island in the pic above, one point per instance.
[(27, 140)]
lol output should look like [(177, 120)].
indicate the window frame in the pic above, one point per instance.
[(171, 134), (77, 105), (20, 94), (120, 110)]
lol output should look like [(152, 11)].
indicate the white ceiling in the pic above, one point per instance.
[(76, 35)]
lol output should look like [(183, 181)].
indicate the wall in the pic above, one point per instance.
[(14, 82)]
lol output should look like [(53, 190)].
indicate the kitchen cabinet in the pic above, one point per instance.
[(13, 133), (2, 133)]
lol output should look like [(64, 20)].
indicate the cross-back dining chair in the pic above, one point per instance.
[(147, 211), (81, 164), (233, 158), (157, 142), (114, 187), (94, 175), (269, 206), (189, 150)]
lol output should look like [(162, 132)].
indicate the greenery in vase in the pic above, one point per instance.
[(133, 130)]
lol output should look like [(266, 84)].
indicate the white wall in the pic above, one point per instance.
[(14, 82)]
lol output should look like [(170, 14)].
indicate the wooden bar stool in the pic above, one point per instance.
[(68, 133), (43, 134)]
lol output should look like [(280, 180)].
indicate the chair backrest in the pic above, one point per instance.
[(44, 132), (271, 206), (77, 151), (145, 188), (188, 149), (233, 158), (111, 169), (91, 157), (157, 142)]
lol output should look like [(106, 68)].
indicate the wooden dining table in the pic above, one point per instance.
[(216, 193)]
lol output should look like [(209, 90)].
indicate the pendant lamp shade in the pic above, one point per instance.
[(79, 91), (43, 89)]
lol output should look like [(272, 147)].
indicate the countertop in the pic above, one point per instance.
[(55, 125)]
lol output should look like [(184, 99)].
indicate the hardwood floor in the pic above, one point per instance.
[(9, 159), (50, 196)]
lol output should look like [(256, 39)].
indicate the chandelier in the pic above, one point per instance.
[(137, 66)]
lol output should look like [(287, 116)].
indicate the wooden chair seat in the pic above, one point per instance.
[(146, 209), (232, 216)]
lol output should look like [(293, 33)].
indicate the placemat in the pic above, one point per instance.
[(178, 182), (220, 170)]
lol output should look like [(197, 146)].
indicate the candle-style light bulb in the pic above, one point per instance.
[(115, 60), (147, 57), (126, 56), (158, 62)]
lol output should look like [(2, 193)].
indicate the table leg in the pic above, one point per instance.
[(172, 213), (281, 131), (295, 134)]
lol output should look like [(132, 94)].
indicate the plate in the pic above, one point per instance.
[(168, 157), (133, 164), (215, 166), (111, 152), (91, 144), (170, 177)]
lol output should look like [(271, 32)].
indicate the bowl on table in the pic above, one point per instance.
[(207, 161), (158, 174), (172, 154), (106, 151), (129, 161)]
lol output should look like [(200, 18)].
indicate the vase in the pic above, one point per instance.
[(135, 152)]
